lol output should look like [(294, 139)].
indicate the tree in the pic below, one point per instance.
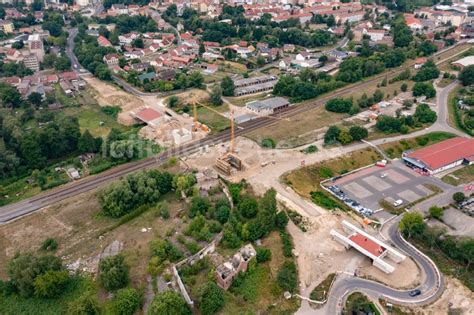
[(388, 124), (49, 244), (85, 305), (331, 135), (436, 212), (467, 75), (323, 59), (138, 43), (358, 133), (25, 268), (35, 99), (227, 86), (18, 44), (378, 96), (424, 114), (202, 49), (263, 255), (88, 144), (422, 88), (173, 101), (113, 272), (51, 283), (126, 301), (467, 248), (199, 205), (339, 105), (9, 96), (169, 303), (459, 197), (412, 224), (248, 207), (344, 137), (62, 64), (211, 298), (216, 96)]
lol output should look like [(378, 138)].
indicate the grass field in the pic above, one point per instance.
[(464, 175), (306, 179), (395, 149), (15, 304), (299, 130), (213, 120), (320, 293)]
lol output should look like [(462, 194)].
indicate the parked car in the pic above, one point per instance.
[(383, 175), (398, 203)]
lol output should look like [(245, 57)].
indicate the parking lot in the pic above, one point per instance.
[(363, 190)]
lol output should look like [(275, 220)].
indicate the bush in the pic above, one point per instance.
[(84, 305), (126, 301), (263, 255), (287, 277), (51, 283), (436, 212), (268, 143), (287, 244), (358, 133), (113, 272), (49, 244), (332, 135), (325, 172), (281, 220), (319, 198), (25, 268), (169, 303), (211, 299), (339, 105)]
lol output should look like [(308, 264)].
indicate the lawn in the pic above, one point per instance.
[(306, 179), (464, 175), (395, 149), (358, 303)]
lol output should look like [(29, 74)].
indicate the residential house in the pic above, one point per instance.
[(7, 26), (111, 59), (103, 42)]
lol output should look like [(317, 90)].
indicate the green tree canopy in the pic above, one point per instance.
[(169, 303)]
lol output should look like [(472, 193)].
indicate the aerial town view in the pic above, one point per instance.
[(175, 157)]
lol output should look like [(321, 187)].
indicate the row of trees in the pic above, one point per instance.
[(423, 114), (335, 134), (307, 85)]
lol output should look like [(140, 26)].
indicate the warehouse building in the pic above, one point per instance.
[(441, 156), (259, 84), (268, 106)]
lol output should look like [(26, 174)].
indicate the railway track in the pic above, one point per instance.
[(10, 212)]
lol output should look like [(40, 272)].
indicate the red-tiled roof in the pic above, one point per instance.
[(148, 115), (367, 244), (443, 153)]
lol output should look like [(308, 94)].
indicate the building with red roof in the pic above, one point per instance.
[(149, 116), (441, 156)]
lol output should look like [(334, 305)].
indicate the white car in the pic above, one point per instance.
[(383, 175), (397, 203)]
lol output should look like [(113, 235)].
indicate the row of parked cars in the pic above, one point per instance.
[(467, 206), (357, 207)]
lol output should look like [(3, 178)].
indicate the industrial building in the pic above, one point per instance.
[(441, 156), (254, 85), (268, 106), (368, 245), (149, 116)]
